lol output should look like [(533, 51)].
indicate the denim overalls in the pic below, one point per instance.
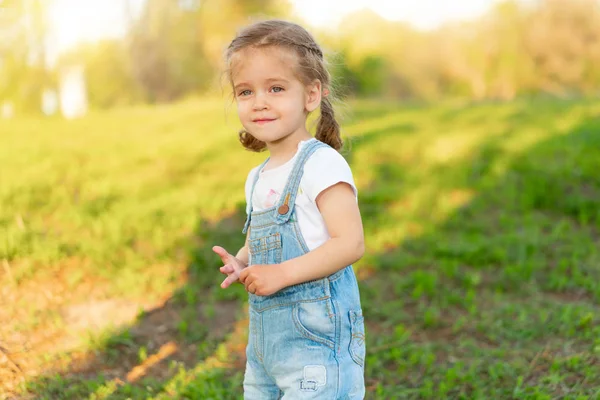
[(306, 341)]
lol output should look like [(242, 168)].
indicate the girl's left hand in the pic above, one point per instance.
[(263, 279)]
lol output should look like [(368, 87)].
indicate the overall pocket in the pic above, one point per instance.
[(315, 320), (357, 345), (265, 250)]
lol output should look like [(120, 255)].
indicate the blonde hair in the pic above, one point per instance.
[(311, 65)]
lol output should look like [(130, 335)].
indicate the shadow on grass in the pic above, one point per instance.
[(144, 359), (498, 300), (493, 301)]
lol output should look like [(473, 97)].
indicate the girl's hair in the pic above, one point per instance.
[(311, 66)]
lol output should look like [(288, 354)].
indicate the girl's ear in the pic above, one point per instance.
[(313, 96)]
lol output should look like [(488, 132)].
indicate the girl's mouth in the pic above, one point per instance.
[(263, 121)]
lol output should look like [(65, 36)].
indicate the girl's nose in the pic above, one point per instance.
[(259, 102)]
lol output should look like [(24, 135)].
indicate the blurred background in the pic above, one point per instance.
[(473, 132), (65, 56)]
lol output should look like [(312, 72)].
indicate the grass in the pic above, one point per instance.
[(481, 279)]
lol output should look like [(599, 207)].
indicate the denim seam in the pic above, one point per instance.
[(330, 312), (337, 333), (258, 339), (289, 304), (338, 276), (336, 352), (299, 238), (263, 260), (264, 246), (357, 335), (257, 249), (263, 226)]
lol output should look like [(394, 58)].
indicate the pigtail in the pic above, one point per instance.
[(328, 129), (250, 142)]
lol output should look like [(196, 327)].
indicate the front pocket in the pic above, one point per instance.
[(357, 341), (265, 250), (315, 320)]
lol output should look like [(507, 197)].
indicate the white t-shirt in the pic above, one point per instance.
[(323, 169)]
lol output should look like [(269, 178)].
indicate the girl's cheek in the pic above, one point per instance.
[(240, 106)]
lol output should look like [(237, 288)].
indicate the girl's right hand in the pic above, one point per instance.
[(231, 266)]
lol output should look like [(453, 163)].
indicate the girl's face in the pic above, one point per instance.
[(272, 102)]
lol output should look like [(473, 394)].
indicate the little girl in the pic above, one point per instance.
[(304, 230)]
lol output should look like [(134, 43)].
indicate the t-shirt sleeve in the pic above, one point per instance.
[(248, 187), (323, 169)]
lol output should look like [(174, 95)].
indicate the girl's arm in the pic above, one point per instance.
[(242, 254), (340, 211)]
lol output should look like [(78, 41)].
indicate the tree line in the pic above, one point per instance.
[(173, 49)]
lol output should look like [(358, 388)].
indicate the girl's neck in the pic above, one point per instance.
[(283, 150)]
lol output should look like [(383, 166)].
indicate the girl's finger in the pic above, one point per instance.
[(243, 276), (228, 281), (225, 256), (227, 269), (246, 282), (251, 288)]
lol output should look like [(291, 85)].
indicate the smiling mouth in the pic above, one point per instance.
[(263, 121)]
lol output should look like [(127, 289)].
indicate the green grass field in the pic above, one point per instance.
[(481, 279)]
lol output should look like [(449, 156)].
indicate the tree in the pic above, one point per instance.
[(108, 73), (177, 47), (23, 71), (564, 42)]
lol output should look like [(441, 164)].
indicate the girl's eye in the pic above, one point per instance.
[(244, 93), (277, 89)]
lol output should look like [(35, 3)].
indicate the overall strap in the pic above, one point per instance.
[(286, 203), (256, 176)]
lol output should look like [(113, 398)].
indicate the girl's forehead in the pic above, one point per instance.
[(263, 62)]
